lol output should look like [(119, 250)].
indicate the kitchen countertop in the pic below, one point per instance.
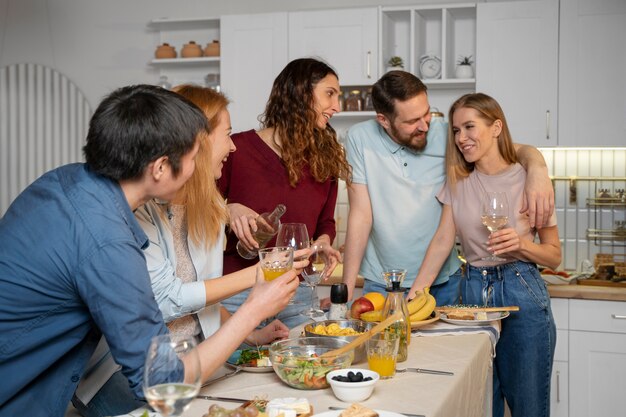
[(575, 291), (587, 292)]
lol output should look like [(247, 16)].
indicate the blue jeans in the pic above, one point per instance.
[(525, 351), (447, 293), (291, 316), (114, 398)]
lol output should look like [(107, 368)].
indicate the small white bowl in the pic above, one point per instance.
[(352, 391)]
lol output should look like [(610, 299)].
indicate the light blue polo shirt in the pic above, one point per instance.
[(402, 185)]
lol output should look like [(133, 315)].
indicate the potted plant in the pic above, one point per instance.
[(464, 67), (395, 63)]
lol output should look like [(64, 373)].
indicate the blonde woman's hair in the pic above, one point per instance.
[(290, 111), (489, 110), (205, 206)]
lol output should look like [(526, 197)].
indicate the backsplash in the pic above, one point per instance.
[(574, 218)]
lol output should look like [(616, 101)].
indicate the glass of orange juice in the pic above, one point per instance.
[(382, 351), (275, 261)]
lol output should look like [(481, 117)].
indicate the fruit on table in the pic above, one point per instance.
[(352, 377), (377, 299), (372, 316), (427, 308), (359, 306)]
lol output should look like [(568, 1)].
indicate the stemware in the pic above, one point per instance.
[(494, 215), (295, 235), (172, 374), (313, 274)]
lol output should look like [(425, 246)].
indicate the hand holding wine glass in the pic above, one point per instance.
[(494, 215), (172, 374)]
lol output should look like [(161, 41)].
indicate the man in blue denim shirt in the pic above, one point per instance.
[(71, 260)]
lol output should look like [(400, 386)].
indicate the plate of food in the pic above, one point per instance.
[(358, 410), (463, 317), (256, 359)]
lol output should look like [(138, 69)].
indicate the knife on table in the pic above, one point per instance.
[(227, 399), (404, 414)]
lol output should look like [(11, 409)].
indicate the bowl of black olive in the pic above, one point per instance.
[(352, 384)]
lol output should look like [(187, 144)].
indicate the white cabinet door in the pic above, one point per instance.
[(597, 367), (559, 390), (592, 70), (254, 51), (347, 39), (517, 64)]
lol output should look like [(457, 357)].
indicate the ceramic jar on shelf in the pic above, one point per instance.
[(191, 50), (212, 48), (165, 51)]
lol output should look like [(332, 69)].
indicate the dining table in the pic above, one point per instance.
[(465, 393)]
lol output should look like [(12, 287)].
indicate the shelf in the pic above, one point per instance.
[(167, 20), (615, 235), (190, 61), (347, 114), (450, 83), (606, 202)]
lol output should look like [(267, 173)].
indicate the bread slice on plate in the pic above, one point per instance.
[(358, 410)]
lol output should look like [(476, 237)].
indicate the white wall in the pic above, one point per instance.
[(101, 45)]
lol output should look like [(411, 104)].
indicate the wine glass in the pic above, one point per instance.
[(494, 215), (172, 374), (313, 275), (295, 235)]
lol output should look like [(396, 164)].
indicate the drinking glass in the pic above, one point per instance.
[(313, 274), (276, 261), (382, 353), (295, 235), (172, 374), (494, 215)]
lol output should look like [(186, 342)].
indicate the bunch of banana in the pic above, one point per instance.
[(422, 306)]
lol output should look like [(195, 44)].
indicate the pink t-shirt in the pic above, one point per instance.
[(465, 201)]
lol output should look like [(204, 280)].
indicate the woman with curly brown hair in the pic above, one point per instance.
[(295, 160)]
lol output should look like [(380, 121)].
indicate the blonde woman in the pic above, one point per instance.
[(480, 157)]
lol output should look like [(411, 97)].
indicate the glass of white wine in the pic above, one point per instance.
[(494, 215), (313, 275), (172, 375)]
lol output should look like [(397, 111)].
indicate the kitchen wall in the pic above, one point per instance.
[(573, 218), (102, 45)]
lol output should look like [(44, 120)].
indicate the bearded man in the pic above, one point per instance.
[(398, 167)]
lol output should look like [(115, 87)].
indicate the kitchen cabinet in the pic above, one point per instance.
[(178, 32), (446, 32), (597, 358), (559, 395), (592, 58), (254, 51), (517, 64), (347, 39)]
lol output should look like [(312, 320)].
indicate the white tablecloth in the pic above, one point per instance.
[(467, 393)]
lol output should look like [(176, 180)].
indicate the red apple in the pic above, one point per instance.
[(360, 305)]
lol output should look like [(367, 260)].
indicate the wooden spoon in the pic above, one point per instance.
[(363, 337), (476, 309)]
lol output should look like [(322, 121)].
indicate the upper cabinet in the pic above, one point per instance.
[(430, 40), (177, 33), (592, 59), (347, 39), (254, 51), (517, 64)]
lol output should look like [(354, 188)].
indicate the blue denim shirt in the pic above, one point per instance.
[(71, 266)]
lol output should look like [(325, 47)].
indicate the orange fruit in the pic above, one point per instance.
[(377, 299)]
